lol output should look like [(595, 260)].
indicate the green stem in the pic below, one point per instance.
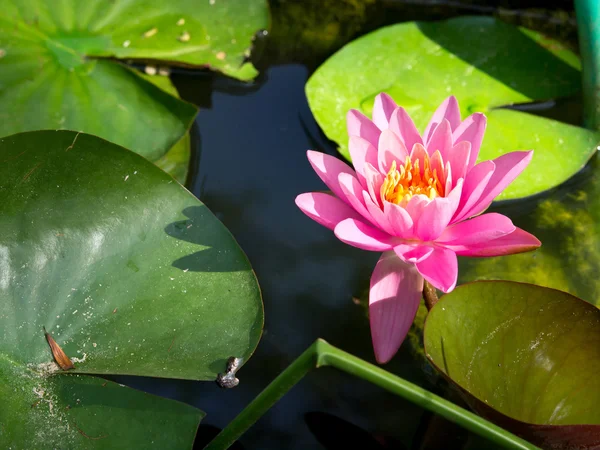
[(322, 354), (588, 25)]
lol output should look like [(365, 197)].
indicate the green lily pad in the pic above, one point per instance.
[(486, 64), (85, 412), (128, 271), (55, 72), (176, 162), (528, 357), (215, 33)]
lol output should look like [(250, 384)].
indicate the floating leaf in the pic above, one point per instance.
[(527, 356), (214, 33), (128, 271), (76, 411), (176, 162), (54, 71), (486, 64)]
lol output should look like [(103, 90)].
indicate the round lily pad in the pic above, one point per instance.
[(526, 356), (60, 69), (486, 64), (129, 273)]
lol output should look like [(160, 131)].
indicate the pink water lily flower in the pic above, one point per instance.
[(418, 199)]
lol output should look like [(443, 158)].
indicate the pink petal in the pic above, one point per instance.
[(441, 139), (478, 230), (458, 158), (472, 130), (475, 182), (391, 148), (508, 167), (377, 214), (374, 182), (382, 110), (415, 206), (361, 152), (394, 299), (325, 208), (518, 241), (440, 269), (413, 253), (447, 110), (359, 125), (437, 214), (418, 153), (404, 127), (437, 164), (353, 194), (358, 234), (449, 184), (399, 219), (329, 168)]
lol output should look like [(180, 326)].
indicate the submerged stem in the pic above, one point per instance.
[(322, 354), (430, 295)]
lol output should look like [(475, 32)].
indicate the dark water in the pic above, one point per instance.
[(250, 163)]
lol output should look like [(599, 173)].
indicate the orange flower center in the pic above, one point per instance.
[(401, 185)]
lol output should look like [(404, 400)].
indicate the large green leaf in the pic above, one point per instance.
[(54, 73), (486, 64), (83, 412), (212, 33), (127, 270), (528, 357)]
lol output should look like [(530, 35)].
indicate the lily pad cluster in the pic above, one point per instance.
[(102, 254), (61, 65)]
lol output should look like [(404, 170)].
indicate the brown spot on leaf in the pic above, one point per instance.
[(59, 355)]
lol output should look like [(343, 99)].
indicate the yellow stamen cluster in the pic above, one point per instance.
[(401, 185)]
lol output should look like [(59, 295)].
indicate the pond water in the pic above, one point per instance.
[(249, 165)]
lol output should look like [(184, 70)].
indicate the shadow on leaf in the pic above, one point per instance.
[(197, 229)]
